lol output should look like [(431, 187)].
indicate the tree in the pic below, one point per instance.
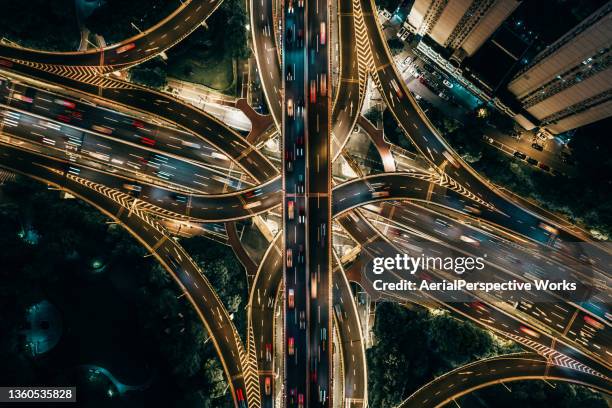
[(151, 77)]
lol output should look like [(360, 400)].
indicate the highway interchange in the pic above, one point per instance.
[(169, 160)]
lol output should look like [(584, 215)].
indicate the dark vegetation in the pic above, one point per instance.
[(40, 24), (414, 346), (206, 55), (113, 20), (389, 5), (125, 315)]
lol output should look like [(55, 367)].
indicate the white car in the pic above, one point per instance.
[(447, 83)]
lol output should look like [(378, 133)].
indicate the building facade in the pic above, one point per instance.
[(569, 84), (461, 26)]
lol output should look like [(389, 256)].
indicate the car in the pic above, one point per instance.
[(299, 152), (300, 184), (268, 386), (67, 104), (537, 146), (301, 258), (301, 216), (313, 91), (302, 320), (253, 204), (544, 167), (396, 88), (290, 107), (291, 299), (300, 36), (291, 346), (102, 129), (338, 310), (532, 161), (300, 107), (148, 141), (479, 306), (289, 258), (301, 401), (322, 395), (133, 187), (447, 83), (191, 144), (529, 332), (594, 323), (269, 352), (520, 155), (64, 118), (300, 3), (22, 98), (290, 209), (469, 240), (380, 194), (290, 6), (549, 228), (323, 84), (444, 96), (290, 73), (125, 48), (313, 285), (322, 33)]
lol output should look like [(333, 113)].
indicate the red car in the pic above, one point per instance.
[(313, 91), (268, 386), (291, 346), (147, 141), (125, 48), (68, 104)]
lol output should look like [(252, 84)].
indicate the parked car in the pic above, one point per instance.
[(532, 161), (520, 155), (537, 146)]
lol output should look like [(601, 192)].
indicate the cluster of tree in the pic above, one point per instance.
[(151, 73), (40, 24), (72, 235), (394, 133), (114, 18), (225, 34), (413, 347)]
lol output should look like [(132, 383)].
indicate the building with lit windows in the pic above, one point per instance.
[(569, 83)]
